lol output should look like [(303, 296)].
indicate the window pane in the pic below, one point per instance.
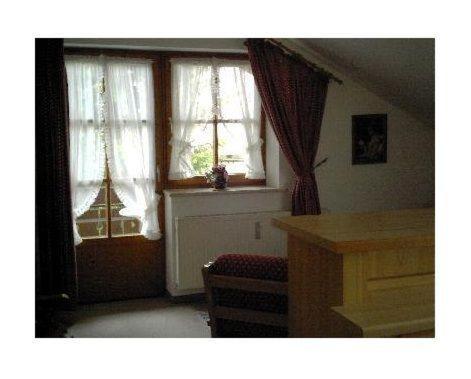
[(232, 144), (202, 148), (93, 223), (121, 225)]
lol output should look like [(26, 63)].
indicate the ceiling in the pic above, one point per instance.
[(400, 70)]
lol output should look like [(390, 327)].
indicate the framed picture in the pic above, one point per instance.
[(369, 138)]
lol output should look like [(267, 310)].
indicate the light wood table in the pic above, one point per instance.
[(361, 274)]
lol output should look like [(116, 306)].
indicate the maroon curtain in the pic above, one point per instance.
[(293, 97), (55, 253)]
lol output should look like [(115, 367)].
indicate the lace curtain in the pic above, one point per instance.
[(113, 101), (202, 89), (130, 141), (87, 150), (239, 99)]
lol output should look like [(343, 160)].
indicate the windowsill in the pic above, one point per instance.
[(228, 191)]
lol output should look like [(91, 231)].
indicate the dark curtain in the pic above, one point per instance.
[(55, 252), (293, 97)]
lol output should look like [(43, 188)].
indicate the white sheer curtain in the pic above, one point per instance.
[(87, 152), (191, 105), (243, 102), (130, 140), (202, 89)]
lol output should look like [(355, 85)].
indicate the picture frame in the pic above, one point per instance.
[(369, 139)]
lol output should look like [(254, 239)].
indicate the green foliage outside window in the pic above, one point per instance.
[(202, 159)]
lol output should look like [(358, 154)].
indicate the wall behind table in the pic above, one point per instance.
[(405, 181)]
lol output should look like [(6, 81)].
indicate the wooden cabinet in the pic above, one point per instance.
[(363, 274)]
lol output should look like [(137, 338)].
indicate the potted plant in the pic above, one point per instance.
[(218, 177)]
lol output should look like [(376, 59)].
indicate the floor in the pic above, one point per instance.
[(142, 318)]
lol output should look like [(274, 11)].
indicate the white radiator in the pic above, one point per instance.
[(200, 239)]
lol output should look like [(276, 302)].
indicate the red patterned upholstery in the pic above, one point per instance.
[(251, 266), (254, 267)]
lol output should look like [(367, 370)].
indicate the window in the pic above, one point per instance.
[(216, 119), (112, 147)]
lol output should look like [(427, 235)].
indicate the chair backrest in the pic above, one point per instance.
[(247, 296)]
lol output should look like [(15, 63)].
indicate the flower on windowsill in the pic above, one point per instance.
[(218, 176)]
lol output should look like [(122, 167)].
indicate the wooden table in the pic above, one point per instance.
[(361, 274)]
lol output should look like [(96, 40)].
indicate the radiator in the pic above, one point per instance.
[(200, 239)]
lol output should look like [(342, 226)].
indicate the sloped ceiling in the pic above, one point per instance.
[(401, 70)]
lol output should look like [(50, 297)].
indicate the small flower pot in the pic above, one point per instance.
[(218, 177), (220, 183)]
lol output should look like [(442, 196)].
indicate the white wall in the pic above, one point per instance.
[(406, 180), (278, 171)]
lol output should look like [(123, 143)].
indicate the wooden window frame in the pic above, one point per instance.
[(200, 181)]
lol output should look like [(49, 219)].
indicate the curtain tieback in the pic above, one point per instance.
[(306, 177)]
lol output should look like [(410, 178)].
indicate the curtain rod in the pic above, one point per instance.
[(302, 59)]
